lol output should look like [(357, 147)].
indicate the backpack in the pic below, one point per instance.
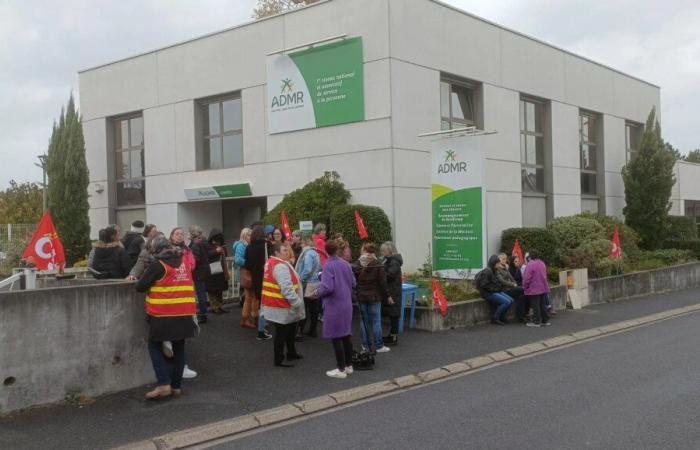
[(481, 277)]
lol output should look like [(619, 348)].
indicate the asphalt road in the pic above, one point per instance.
[(237, 377), (634, 390)]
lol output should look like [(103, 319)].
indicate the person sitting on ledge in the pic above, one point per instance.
[(491, 290)]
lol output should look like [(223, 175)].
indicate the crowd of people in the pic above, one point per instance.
[(287, 287), (508, 280)]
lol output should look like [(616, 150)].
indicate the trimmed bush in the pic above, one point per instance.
[(682, 228), (587, 255), (540, 239), (314, 201), (342, 220), (572, 231), (629, 239), (691, 244), (647, 260)]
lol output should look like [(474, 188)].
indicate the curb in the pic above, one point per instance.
[(230, 427)]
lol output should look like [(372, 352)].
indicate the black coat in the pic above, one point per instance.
[(165, 328), (134, 247), (111, 261), (128, 238), (392, 267), (255, 259), (371, 282), (217, 282), (202, 252)]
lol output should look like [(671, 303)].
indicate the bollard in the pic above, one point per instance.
[(29, 274), (22, 282)]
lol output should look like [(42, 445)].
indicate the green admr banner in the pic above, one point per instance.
[(459, 220), (316, 87)]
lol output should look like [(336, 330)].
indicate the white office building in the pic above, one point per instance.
[(183, 134)]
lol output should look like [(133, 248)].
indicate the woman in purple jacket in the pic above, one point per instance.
[(337, 282), (536, 287)]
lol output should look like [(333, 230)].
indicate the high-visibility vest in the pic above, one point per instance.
[(173, 295), (271, 292)]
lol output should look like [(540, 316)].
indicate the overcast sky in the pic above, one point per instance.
[(46, 42)]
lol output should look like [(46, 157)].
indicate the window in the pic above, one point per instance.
[(457, 108), (532, 146), (692, 209), (128, 147), (588, 134), (222, 122), (633, 136)]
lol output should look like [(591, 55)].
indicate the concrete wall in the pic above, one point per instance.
[(64, 341)]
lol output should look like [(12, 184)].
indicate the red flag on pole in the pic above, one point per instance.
[(616, 248), (45, 250), (517, 251), (439, 298), (360, 226), (285, 226)]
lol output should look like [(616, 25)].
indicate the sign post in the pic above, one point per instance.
[(458, 206)]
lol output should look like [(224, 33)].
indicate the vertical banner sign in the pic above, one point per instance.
[(316, 87), (459, 219)]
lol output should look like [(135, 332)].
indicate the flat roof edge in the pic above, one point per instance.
[(539, 41)]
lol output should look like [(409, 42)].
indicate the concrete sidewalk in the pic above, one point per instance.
[(237, 377)]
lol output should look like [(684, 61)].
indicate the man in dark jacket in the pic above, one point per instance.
[(133, 234), (137, 245), (201, 251), (110, 260), (217, 283), (491, 290), (392, 266)]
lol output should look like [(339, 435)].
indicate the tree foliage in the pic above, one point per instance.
[(267, 8), (314, 201), (21, 203), (648, 182), (375, 219), (68, 183), (693, 156)]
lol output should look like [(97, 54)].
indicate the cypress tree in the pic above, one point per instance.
[(648, 182), (68, 184)]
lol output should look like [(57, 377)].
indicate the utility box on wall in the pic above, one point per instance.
[(576, 281)]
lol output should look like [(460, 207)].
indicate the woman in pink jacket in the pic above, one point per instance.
[(536, 287)]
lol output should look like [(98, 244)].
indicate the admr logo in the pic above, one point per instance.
[(288, 97), (451, 165)]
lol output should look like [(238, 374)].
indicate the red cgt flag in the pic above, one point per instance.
[(517, 251), (285, 226), (439, 298), (360, 226), (45, 250), (616, 248)]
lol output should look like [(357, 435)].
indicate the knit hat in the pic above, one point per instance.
[(269, 229), (137, 226)]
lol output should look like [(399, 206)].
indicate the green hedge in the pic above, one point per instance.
[(572, 231), (682, 228), (690, 244), (629, 239), (540, 239), (342, 220)]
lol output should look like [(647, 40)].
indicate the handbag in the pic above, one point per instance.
[(246, 278), (311, 288), (216, 267), (362, 361)]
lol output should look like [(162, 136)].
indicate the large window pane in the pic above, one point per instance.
[(122, 134), (588, 157), (136, 164), (121, 163), (445, 99), (539, 117), (233, 150), (532, 179), (522, 115), (588, 133), (530, 116), (136, 125), (462, 103), (539, 151), (530, 156), (131, 193), (232, 115), (212, 118), (523, 149), (213, 152), (588, 183)]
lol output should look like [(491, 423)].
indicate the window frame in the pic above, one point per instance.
[(206, 137), (472, 88), (116, 130), (638, 128), (524, 132), (595, 145)]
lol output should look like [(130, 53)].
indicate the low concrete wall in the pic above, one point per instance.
[(65, 341), (472, 312), (656, 281)]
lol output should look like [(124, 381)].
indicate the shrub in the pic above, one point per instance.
[(682, 228), (540, 239), (458, 290), (647, 260), (342, 220), (629, 239), (587, 255), (691, 244), (608, 266), (81, 263), (553, 274), (570, 232), (314, 201)]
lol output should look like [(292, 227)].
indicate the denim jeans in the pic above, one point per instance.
[(371, 317), (202, 299), (261, 323), (502, 301), (164, 373)]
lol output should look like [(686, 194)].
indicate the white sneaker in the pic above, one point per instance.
[(188, 373), (335, 373), (383, 349), (349, 370), (168, 349)]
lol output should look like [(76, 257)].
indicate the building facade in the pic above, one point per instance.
[(165, 127)]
